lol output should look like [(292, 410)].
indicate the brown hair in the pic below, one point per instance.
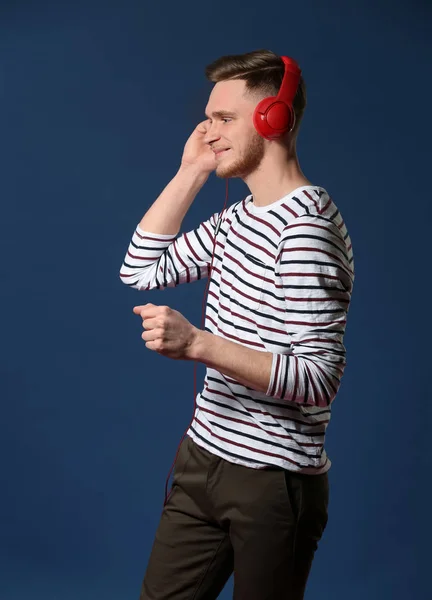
[(263, 72)]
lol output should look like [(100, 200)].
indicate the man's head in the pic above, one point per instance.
[(241, 82)]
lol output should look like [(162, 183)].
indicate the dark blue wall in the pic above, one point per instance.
[(97, 100)]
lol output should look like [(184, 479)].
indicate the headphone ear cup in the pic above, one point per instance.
[(260, 117), (272, 118)]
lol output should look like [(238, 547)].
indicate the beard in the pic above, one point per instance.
[(246, 164)]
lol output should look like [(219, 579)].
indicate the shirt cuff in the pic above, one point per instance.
[(162, 236)]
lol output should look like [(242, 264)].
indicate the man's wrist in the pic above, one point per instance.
[(193, 172), (197, 344)]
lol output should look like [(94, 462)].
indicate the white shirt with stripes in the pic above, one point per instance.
[(281, 282)]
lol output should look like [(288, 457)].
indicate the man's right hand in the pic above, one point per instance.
[(197, 153)]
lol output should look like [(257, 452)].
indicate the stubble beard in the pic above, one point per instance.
[(246, 164)]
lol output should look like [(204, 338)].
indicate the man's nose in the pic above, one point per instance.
[(212, 133)]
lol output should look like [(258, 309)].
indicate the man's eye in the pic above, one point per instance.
[(226, 119)]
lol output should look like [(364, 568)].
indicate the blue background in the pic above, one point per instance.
[(97, 101)]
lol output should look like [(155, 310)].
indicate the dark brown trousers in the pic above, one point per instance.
[(263, 524)]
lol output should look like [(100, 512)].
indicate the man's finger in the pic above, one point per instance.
[(138, 309)]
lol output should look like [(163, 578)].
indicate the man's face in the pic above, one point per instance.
[(231, 134)]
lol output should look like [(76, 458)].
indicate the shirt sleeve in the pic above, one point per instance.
[(158, 261), (315, 268)]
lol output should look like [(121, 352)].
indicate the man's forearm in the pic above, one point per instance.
[(167, 212), (249, 367)]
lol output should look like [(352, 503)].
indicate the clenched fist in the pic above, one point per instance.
[(167, 331)]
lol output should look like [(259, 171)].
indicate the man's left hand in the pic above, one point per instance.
[(168, 332)]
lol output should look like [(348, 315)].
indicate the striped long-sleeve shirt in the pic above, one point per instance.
[(281, 282)]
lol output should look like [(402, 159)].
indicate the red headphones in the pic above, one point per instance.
[(274, 116)]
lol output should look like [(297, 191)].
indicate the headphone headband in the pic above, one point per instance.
[(290, 81)]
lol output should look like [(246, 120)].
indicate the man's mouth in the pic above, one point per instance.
[(220, 151)]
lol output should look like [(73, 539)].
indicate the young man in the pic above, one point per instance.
[(250, 486)]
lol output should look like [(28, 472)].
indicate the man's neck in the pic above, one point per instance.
[(275, 178)]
